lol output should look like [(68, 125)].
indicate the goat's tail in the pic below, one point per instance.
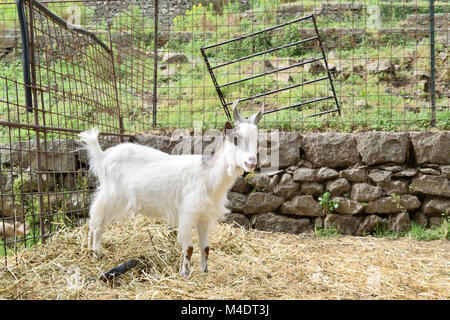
[(90, 140)]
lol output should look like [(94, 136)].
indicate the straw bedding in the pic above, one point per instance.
[(244, 264)]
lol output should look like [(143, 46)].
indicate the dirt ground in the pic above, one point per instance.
[(244, 264)]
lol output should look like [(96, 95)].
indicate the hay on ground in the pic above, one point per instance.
[(244, 264)]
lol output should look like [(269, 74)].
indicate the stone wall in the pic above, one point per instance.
[(167, 9), (383, 178), (373, 178)]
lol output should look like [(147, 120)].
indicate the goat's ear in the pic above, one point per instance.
[(228, 129), (236, 116)]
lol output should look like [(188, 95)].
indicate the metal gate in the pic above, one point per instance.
[(266, 32)]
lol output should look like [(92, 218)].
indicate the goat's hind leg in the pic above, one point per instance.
[(97, 218), (101, 213)]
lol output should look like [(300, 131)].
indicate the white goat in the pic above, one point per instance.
[(186, 190)]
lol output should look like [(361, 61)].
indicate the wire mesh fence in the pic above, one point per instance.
[(378, 52), (132, 66)]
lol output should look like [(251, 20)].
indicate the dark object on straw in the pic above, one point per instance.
[(113, 273)]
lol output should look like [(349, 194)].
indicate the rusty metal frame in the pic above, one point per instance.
[(31, 87), (31, 12)]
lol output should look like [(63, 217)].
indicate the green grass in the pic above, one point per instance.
[(190, 97), (385, 113), (326, 232), (440, 232), (383, 232), (417, 232), (54, 212), (34, 237)]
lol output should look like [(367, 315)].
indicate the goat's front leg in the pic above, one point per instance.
[(203, 228), (185, 239)]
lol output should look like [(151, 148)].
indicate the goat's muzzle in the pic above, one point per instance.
[(250, 166)]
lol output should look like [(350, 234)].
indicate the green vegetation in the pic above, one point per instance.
[(417, 232), (54, 207), (440, 232), (328, 205), (186, 95), (326, 233)]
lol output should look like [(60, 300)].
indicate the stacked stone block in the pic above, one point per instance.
[(375, 178)]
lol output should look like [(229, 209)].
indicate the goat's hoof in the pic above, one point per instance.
[(97, 254), (185, 273)]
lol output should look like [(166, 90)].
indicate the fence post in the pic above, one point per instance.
[(121, 128), (39, 169), (155, 64), (432, 67), (25, 54)]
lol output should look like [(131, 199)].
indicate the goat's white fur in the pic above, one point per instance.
[(183, 189)]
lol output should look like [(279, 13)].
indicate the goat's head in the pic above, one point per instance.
[(244, 137)]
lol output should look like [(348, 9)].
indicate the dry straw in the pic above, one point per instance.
[(244, 264)]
